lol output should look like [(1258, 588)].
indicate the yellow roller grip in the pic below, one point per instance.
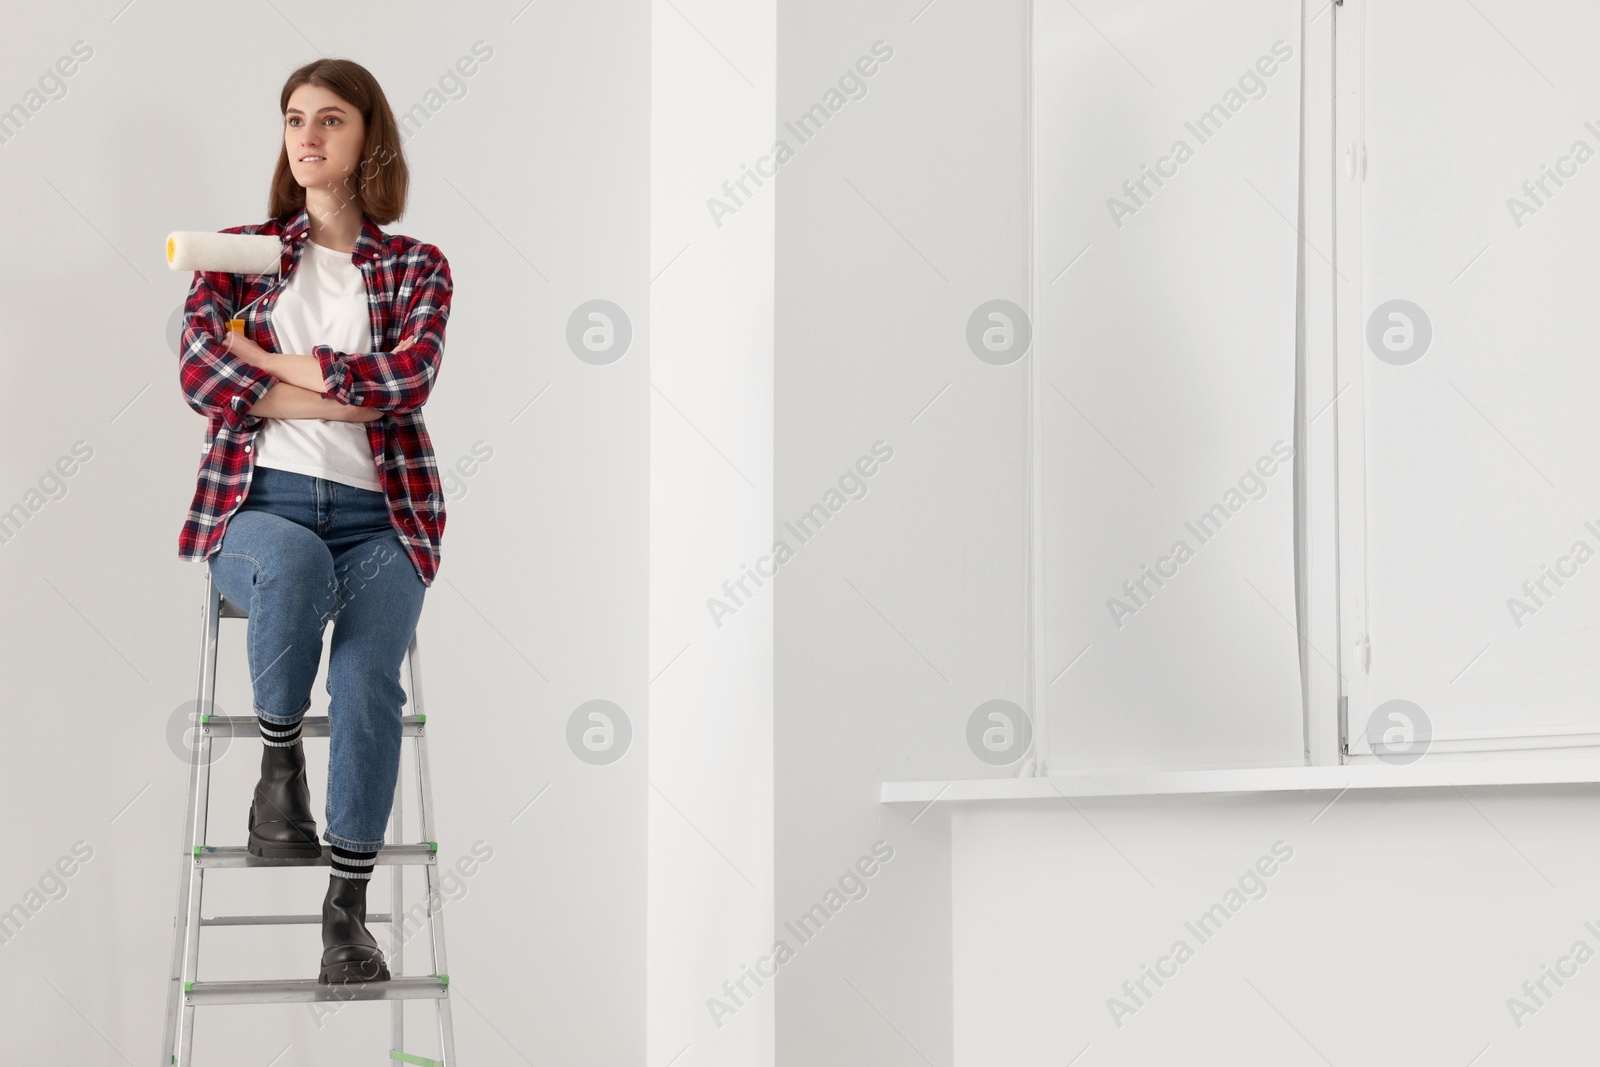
[(172, 246), (236, 326)]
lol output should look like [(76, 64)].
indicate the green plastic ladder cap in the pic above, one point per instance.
[(444, 979), (433, 846), (197, 850), (188, 987), (406, 1057), (205, 720), (421, 719)]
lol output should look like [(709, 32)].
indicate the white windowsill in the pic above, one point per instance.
[(1369, 773)]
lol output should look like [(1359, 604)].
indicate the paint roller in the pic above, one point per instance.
[(229, 253)]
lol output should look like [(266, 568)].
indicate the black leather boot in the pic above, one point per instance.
[(281, 823), (349, 952)]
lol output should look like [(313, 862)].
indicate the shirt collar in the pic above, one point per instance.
[(369, 242)]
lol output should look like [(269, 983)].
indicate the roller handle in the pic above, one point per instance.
[(234, 325)]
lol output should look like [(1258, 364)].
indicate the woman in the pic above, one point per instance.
[(319, 496)]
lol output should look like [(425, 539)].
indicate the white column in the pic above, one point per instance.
[(710, 911)]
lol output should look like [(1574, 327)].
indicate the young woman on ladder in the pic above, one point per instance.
[(318, 496)]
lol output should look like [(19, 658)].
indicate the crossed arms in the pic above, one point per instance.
[(227, 373)]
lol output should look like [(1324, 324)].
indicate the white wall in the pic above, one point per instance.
[(1395, 933), (535, 185), (907, 610)]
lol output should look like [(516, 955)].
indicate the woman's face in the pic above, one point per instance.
[(323, 135)]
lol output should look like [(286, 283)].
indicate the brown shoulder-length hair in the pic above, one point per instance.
[(379, 183)]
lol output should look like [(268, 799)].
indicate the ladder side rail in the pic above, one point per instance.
[(397, 935), (430, 871), (185, 857), (199, 796)]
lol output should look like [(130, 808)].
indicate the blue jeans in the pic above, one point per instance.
[(301, 552)]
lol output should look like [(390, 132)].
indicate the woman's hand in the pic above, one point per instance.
[(240, 345), (281, 398)]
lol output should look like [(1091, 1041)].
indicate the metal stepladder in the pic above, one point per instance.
[(186, 992)]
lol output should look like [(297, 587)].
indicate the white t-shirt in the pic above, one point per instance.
[(323, 303)]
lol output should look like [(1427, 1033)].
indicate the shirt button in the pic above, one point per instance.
[(238, 497), (247, 448)]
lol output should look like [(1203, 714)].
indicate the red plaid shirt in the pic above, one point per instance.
[(408, 296)]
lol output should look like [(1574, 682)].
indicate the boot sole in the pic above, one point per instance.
[(353, 971), (282, 850)]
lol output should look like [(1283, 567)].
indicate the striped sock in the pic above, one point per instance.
[(277, 736), (348, 863)]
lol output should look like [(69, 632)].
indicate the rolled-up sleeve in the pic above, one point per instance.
[(398, 381), (214, 380)]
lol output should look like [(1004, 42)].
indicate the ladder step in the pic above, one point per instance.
[(423, 853), (290, 990), (278, 920), (310, 725)]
